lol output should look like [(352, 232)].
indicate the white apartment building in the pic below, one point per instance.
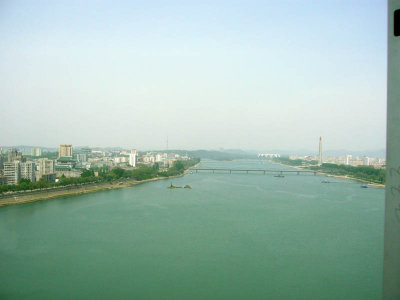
[(132, 158), (349, 157), (149, 158), (12, 172), (46, 166), (27, 170), (120, 159)]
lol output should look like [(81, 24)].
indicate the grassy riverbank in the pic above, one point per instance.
[(366, 174), (72, 190), (369, 175)]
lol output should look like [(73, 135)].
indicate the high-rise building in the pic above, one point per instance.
[(12, 172), (27, 170), (65, 151), (46, 166), (12, 155), (348, 159), (132, 158), (320, 151), (16, 170)]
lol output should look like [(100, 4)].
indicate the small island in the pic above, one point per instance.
[(174, 187), (179, 187)]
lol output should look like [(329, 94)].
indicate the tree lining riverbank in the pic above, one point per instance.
[(366, 174), (76, 188)]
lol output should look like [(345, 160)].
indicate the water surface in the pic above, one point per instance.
[(238, 236)]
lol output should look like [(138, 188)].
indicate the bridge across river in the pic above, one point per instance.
[(263, 171)]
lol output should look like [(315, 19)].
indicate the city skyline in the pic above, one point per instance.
[(301, 151)]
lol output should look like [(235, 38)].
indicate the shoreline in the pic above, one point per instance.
[(377, 185), (40, 195)]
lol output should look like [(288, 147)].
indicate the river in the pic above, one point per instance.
[(232, 236)]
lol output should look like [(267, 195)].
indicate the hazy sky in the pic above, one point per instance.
[(209, 74)]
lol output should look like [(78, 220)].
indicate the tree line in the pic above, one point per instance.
[(105, 174), (294, 162), (367, 173)]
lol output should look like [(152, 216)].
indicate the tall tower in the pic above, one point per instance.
[(132, 158), (320, 151)]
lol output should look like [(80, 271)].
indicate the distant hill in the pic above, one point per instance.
[(219, 155), (28, 148), (236, 151), (213, 154)]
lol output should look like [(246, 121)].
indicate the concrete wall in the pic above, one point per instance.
[(391, 264)]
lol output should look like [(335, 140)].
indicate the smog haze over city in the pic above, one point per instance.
[(207, 74)]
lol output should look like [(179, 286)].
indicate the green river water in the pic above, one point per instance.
[(238, 236)]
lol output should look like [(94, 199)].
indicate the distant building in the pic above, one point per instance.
[(27, 170), (149, 158), (16, 170), (60, 171), (132, 158), (65, 162), (121, 159), (170, 162), (320, 151), (81, 157), (45, 166), (87, 151), (36, 152), (268, 155), (348, 159), (12, 172), (14, 155), (49, 177), (366, 161), (65, 151)]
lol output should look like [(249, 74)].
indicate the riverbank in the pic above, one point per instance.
[(66, 191), (335, 176)]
